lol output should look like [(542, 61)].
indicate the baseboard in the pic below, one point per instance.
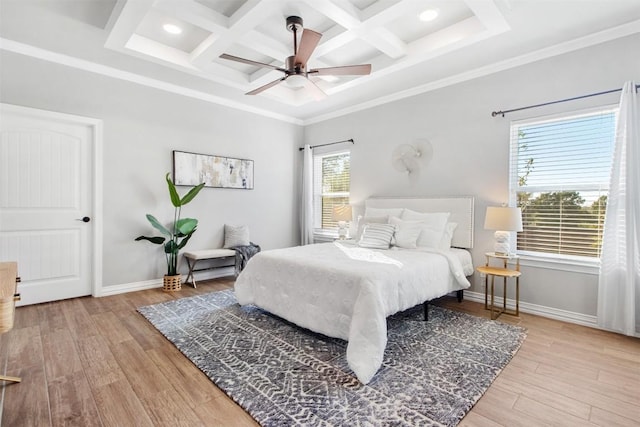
[(540, 310), (128, 287), (157, 283), (525, 307)]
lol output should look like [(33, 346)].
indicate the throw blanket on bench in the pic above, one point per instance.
[(243, 254)]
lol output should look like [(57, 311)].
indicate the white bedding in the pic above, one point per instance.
[(465, 259), (347, 292)]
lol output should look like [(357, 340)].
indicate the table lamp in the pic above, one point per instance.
[(342, 214), (503, 220)]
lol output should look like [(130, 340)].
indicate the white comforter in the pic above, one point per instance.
[(347, 292)]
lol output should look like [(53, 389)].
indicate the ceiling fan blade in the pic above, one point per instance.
[(265, 87), (346, 70), (314, 90), (250, 62), (308, 43)]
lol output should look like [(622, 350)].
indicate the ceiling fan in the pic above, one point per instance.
[(295, 70)]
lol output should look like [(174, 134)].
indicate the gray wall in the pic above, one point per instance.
[(470, 153), (141, 128), (471, 148)]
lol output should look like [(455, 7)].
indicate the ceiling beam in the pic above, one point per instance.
[(130, 14), (346, 15), (386, 42), (266, 45), (249, 16), (341, 12), (195, 13), (489, 14)]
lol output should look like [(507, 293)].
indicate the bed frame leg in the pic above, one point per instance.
[(425, 305), (460, 295)]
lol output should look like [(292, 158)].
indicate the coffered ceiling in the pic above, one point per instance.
[(468, 38), (386, 34)]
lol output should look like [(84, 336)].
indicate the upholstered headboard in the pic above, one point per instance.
[(461, 209)]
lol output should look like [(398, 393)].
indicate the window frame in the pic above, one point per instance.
[(325, 234), (564, 262)]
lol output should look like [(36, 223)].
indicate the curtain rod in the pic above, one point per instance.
[(329, 143), (502, 113)]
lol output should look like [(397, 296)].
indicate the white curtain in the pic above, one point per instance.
[(306, 220), (619, 284)]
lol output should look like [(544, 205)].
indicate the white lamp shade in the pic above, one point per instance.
[(341, 213), (503, 219)]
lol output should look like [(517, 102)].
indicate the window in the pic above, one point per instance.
[(331, 182), (560, 179)]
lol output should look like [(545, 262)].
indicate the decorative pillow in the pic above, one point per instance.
[(447, 236), (370, 220), (407, 232), (236, 235), (378, 212), (377, 236), (433, 226)]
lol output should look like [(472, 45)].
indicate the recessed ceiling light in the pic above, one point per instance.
[(428, 15), (172, 29)]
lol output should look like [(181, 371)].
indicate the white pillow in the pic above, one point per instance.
[(447, 236), (433, 226), (235, 236), (388, 212), (407, 232), (370, 220), (377, 236)]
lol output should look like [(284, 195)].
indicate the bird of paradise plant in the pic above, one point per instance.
[(179, 233)]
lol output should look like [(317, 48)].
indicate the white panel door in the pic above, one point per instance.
[(45, 192)]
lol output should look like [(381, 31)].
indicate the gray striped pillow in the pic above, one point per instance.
[(377, 236)]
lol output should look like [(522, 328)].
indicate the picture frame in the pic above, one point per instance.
[(215, 171)]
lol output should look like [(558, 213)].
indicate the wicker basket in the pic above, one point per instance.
[(172, 283)]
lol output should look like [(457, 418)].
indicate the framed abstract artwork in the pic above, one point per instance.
[(215, 171)]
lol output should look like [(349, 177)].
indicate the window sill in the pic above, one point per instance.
[(576, 265)]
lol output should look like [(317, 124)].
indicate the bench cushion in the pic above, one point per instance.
[(209, 254)]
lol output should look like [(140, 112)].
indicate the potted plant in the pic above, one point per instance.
[(177, 235)]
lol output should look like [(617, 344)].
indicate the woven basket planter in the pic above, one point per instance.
[(172, 283)]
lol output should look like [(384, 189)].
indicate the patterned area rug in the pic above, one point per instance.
[(432, 375)]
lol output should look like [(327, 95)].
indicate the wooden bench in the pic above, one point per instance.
[(193, 257)]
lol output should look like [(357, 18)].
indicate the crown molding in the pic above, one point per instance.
[(548, 52), (93, 67), (628, 29)]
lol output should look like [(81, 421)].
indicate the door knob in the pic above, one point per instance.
[(84, 219)]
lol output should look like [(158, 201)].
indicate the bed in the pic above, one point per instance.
[(344, 290)]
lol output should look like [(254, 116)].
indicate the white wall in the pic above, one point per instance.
[(141, 128), (471, 148), (143, 125)]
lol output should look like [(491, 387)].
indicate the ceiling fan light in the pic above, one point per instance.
[(295, 81), (428, 15)]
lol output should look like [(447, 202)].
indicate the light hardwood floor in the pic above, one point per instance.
[(97, 362)]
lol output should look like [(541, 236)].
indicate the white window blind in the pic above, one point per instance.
[(332, 180), (560, 179)]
